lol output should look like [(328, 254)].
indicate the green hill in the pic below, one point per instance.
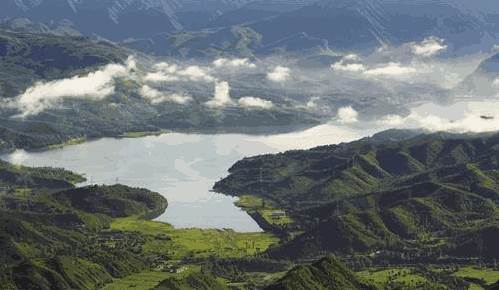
[(194, 281), (55, 236), (426, 197), (28, 57), (327, 273)]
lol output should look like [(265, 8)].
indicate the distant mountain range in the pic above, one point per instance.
[(154, 25)]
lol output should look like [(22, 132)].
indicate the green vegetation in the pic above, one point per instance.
[(29, 56), (388, 210), (488, 276), (265, 209), (429, 196), (403, 278), (193, 281), (195, 243), (72, 141), (55, 236), (140, 281), (138, 134), (328, 273)]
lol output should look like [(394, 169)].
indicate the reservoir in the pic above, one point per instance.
[(184, 167)]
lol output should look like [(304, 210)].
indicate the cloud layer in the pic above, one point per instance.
[(221, 97), (254, 102), (428, 47), (155, 96), (234, 63), (347, 115), (95, 85), (279, 74)]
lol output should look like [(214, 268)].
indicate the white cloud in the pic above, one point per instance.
[(312, 102), (279, 74), (160, 77), (459, 117), (221, 97), (392, 120), (392, 69), (428, 47), (196, 73), (347, 115), (351, 57), (348, 67), (254, 102), (236, 62), (166, 67), (155, 96), (95, 85), (496, 82)]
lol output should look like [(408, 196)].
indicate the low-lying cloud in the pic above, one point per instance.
[(196, 73), (95, 85), (391, 70), (234, 63), (428, 47), (279, 74), (221, 96), (254, 102), (347, 115), (156, 97), (461, 117)]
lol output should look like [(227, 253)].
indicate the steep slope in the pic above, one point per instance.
[(339, 24), (419, 197), (194, 281), (358, 26), (54, 239), (327, 273), (28, 60), (26, 57)]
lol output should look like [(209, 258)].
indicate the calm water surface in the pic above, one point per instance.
[(184, 167)]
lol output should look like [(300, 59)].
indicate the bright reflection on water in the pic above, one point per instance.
[(182, 167)]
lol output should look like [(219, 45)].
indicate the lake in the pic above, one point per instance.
[(184, 167)]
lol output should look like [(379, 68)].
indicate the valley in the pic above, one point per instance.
[(406, 238), (249, 144)]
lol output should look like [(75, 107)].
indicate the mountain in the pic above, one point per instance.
[(484, 81), (56, 236), (337, 24), (359, 26), (29, 59), (354, 25), (119, 19), (327, 273), (418, 198)]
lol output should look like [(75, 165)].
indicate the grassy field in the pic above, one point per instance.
[(488, 275), (162, 238), (138, 134), (139, 281), (73, 141), (264, 208), (148, 279), (404, 276)]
